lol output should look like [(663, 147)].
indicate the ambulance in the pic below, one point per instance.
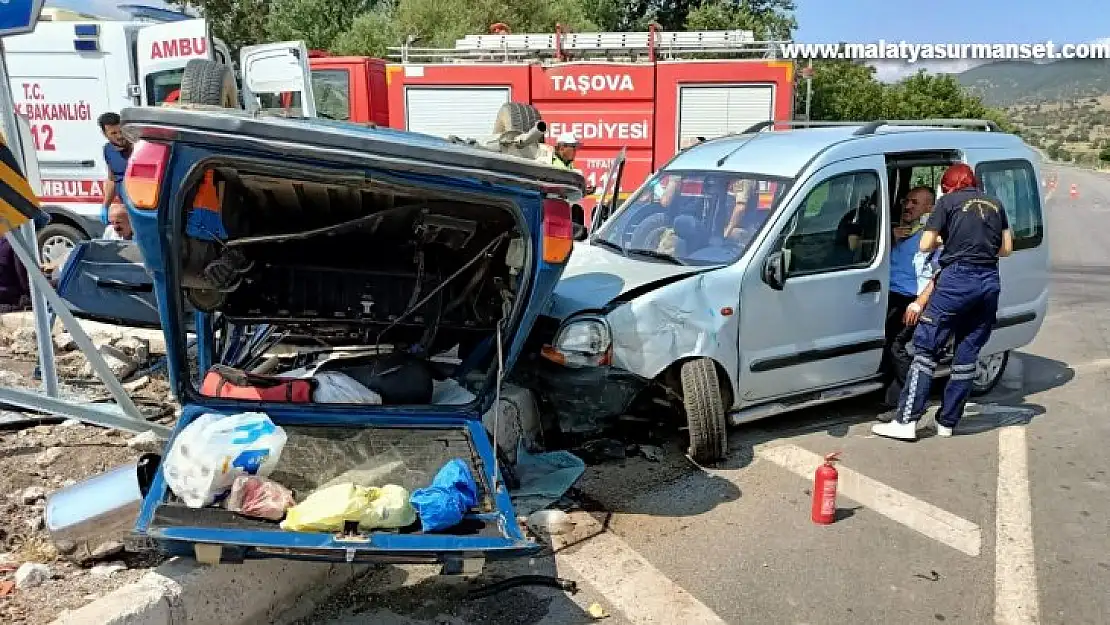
[(67, 73)]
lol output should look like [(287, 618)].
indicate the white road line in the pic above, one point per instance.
[(1015, 575), (920, 516), (632, 585)]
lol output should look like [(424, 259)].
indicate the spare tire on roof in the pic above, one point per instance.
[(515, 117), (209, 83)]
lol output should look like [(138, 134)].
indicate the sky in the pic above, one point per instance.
[(949, 21)]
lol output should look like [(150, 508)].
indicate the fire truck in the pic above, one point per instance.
[(649, 93)]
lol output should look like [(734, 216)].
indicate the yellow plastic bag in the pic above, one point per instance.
[(327, 509)]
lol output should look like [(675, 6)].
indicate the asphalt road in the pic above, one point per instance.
[(1006, 522)]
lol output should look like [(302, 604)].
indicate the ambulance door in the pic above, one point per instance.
[(162, 53), (277, 78)]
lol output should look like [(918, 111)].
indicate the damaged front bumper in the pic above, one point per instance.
[(584, 399)]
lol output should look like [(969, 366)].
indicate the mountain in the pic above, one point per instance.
[(1005, 83)]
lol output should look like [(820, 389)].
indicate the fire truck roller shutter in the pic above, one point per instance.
[(516, 117), (466, 112), (208, 82), (714, 110)]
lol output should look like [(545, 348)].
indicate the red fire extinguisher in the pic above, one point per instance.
[(824, 491)]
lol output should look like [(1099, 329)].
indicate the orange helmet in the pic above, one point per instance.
[(958, 176)]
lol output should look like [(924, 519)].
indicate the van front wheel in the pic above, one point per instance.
[(705, 411)]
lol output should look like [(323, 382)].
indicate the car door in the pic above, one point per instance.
[(277, 76), (823, 324), (1014, 179)]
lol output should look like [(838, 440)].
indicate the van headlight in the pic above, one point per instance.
[(581, 342)]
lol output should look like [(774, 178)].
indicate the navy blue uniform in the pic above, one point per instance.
[(964, 303)]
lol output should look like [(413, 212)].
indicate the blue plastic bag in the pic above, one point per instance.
[(442, 505)]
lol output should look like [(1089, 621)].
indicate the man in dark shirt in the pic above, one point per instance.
[(116, 152), (964, 302), (15, 291)]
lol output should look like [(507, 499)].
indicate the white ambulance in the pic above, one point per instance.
[(64, 75)]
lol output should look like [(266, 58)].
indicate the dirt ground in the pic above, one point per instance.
[(38, 458)]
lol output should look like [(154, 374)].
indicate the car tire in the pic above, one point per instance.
[(51, 239), (649, 233), (705, 411), (987, 375), (515, 117), (209, 83)]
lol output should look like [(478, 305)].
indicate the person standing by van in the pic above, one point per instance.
[(964, 302), (116, 152)]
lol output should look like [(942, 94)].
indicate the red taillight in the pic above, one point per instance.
[(558, 231), (145, 168)]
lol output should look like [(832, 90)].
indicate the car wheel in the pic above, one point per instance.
[(57, 240), (649, 232), (988, 371), (705, 411)]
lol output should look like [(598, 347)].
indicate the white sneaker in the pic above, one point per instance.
[(894, 429), (943, 431)]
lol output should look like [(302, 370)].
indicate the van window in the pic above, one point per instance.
[(837, 226), (332, 90), (1015, 184), (163, 86)]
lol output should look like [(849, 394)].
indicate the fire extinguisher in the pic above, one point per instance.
[(824, 491)]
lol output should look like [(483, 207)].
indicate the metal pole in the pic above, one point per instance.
[(809, 90), (27, 234)]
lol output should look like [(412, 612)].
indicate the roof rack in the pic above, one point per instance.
[(869, 128), (654, 44)]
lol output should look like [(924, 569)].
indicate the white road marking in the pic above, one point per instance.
[(918, 515), (643, 594), (1015, 575)]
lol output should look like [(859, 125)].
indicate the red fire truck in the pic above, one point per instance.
[(652, 93)]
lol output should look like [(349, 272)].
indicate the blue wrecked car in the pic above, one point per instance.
[(412, 264)]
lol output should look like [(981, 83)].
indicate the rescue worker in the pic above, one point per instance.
[(964, 301), (116, 152), (566, 148)]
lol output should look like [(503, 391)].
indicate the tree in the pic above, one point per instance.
[(317, 22), (769, 20), (1104, 155), (236, 22), (844, 91)]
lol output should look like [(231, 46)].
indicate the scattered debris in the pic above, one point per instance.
[(22, 342), (105, 551), (117, 360), (651, 452), (602, 449), (32, 574), (6, 588), (147, 442), (64, 342), (48, 457), (933, 576), (137, 384), (69, 423), (33, 493), (597, 612), (550, 522), (107, 570)]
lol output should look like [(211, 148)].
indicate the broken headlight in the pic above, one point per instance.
[(581, 342)]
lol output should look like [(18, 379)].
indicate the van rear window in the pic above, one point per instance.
[(164, 86), (1015, 183)]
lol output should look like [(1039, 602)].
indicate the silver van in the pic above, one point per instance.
[(749, 276)]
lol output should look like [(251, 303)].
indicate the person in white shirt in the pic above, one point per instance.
[(911, 284), (119, 224)]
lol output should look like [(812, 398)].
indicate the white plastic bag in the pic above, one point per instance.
[(333, 387), (214, 449), (450, 393)]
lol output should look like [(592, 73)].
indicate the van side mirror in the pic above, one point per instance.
[(774, 270)]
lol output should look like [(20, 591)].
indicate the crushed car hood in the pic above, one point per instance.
[(595, 276)]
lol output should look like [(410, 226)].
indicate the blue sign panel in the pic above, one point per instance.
[(18, 16)]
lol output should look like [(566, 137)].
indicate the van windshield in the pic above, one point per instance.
[(693, 217)]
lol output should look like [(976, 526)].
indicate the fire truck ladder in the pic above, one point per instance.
[(608, 46)]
